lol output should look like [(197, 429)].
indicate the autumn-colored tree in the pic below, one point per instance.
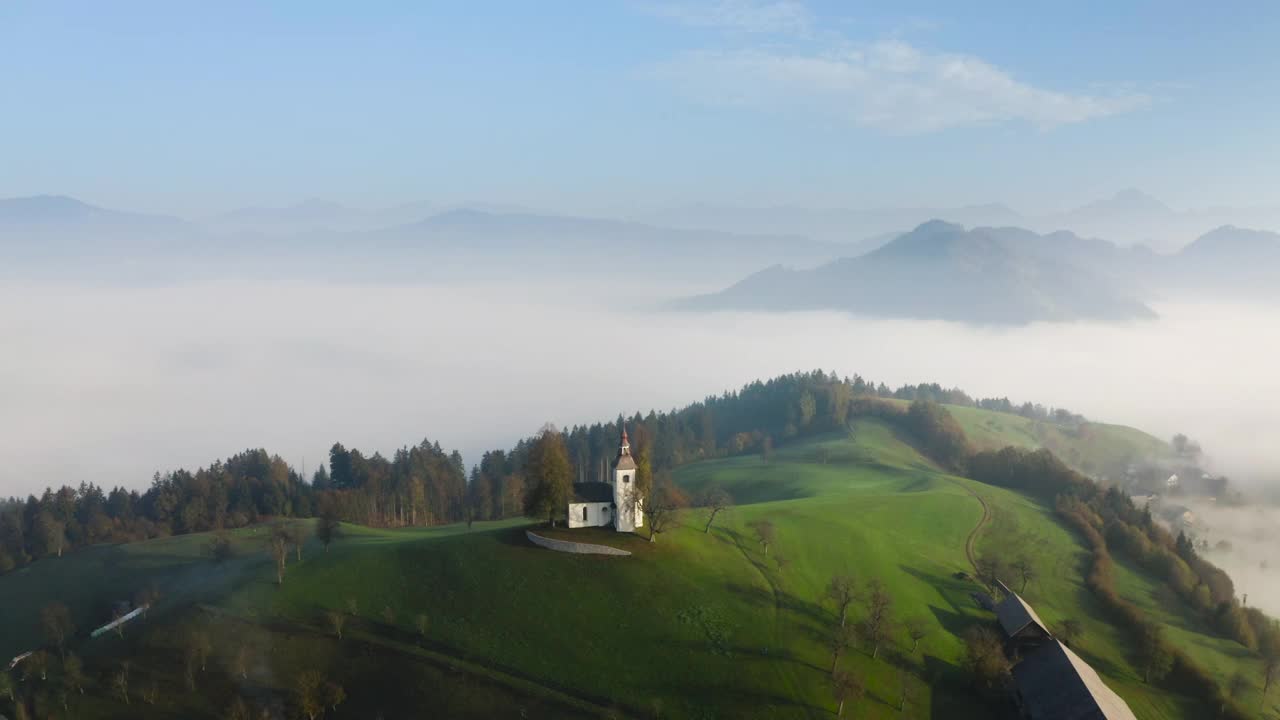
[(549, 476), (984, 658), (1154, 653), (73, 674), (309, 693)]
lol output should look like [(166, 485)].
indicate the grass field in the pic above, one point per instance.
[(696, 625), (1093, 448)]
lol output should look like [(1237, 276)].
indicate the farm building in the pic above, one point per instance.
[(1022, 627), (1053, 683), (601, 504)]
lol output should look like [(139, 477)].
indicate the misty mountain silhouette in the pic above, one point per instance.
[(942, 271)]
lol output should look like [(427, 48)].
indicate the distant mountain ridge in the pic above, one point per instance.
[(42, 211), (942, 271), (997, 273)]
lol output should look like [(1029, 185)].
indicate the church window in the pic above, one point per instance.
[(584, 514), (626, 478)]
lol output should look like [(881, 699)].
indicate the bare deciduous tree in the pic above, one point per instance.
[(151, 690), (73, 674), (765, 533), (337, 621), (984, 657), (714, 500), (1068, 631), (660, 509), (1237, 687), (240, 662), (1270, 671), (1025, 570), (917, 630), (846, 686), (838, 641), (120, 681), (906, 691), (422, 623), (280, 550), (55, 620), (842, 592), (876, 626), (334, 695), (328, 528)]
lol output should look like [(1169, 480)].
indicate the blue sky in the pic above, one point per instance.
[(621, 107)]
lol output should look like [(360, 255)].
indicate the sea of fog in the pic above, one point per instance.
[(112, 384)]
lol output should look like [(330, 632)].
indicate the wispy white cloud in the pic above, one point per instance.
[(750, 16), (888, 85)]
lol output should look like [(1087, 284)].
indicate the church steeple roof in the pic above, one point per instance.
[(624, 461)]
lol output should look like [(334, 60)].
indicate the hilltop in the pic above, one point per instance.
[(710, 623)]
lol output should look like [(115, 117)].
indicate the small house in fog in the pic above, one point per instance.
[(613, 503)]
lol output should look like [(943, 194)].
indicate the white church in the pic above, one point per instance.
[(601, 504)]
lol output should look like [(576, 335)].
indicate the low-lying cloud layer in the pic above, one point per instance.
[(112, 384)]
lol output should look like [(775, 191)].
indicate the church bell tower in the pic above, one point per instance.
[(628, 514)]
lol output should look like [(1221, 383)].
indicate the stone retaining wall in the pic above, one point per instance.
[(573, 547)]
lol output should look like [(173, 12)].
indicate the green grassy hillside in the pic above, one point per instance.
[(696, 625), (1094, 448)]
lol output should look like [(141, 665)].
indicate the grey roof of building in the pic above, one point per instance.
[(1055, 684), (592, 492), (1015, 615), (624, 462)]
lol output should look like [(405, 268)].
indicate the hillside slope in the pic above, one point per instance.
[(697, 624)]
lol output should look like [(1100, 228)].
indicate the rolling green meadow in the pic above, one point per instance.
[(454, 621)]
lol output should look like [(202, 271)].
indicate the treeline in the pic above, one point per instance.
[(417, 486), (1108, 519), (230, 493), (750, 420), (425, 484), (420, 485)]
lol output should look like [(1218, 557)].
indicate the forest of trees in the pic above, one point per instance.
[(1108, 519), (426, 484), (419, 485)]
